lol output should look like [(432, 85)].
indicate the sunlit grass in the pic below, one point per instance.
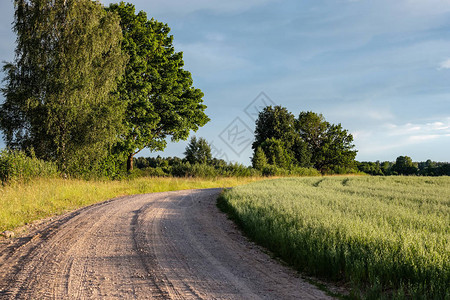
[(22, 203), (384, 234)]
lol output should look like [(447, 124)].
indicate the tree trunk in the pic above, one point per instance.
[(130, 163)]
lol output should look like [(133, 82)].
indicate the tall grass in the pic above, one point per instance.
[(22, 203), (390, 236)]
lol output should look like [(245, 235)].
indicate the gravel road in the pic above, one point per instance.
[(173, 245)]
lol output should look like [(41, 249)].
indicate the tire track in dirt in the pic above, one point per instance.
[(173, 245)]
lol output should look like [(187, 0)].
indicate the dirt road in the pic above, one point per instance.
[(173, 245)]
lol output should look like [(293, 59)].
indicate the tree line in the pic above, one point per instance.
[(404, 165), (283, 146), (199, 162), (91, 86)]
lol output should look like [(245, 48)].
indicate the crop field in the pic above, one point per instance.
[(387, 236)]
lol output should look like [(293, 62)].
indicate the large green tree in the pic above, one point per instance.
[(275, 131), (308, 140), (331, 146), (274, 123), (404, 166), (158, 92), (58, 89)]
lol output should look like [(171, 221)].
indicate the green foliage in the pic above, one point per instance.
[(275, 135), (301, 153), (58, 90), (154, 172), (274, 123), (387, 235), (431, 168), (312, 128), (211, 171), (271, 170), (259, 160), (16, 166), (277, 153), (308, 141), (330, 145), (198, 151), (386, 167), (340, 170), (158, 93), (404, 166), (112, 166), (372, 168), (174, 166)]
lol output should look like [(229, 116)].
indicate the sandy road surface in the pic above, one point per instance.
[(173, 245)]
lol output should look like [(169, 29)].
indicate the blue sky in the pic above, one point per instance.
[(380, 68)]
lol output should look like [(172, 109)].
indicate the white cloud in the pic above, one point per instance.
[(438, 128), (388, 140), (444, 65), (426, 137)]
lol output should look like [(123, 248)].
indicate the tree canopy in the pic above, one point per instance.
[(58, 89), (308, 140), (160, 99), (275, 129), (274, 122), (198, 151), (330, 145), (404, 166)]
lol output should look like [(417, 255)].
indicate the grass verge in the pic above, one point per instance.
[(22, 203)]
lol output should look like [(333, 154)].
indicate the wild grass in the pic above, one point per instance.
[(388, 236), (22, 203)]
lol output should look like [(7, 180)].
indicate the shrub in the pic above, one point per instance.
[(17, 166), (271, 170), (300, 171)]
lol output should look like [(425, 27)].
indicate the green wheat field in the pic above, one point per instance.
[(386, 236)]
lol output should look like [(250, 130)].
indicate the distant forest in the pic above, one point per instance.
[(175, 166), (405, 166)]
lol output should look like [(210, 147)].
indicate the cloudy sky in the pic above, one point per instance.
[(380, 68)]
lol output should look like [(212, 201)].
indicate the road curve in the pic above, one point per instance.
[(173, 245)]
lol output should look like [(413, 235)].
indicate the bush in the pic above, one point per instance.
[(271, 170), (17, 166), (156, 172), (173, 166), (111, 167), (194, 170), (338, 170), (300, 171), (218, 169)]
